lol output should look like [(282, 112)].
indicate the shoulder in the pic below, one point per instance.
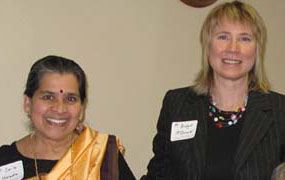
[(103, 138), (7, 149), (181, 93), (180, 96), (114, 142), (8, 153), (277, 95), (277, 100), (4, 149)]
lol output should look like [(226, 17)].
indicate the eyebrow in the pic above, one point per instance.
[(46, 92), (222, 32), (51, 92), (73, 94), (226, 32), (246, 34)]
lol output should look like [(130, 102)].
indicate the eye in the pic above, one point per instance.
[(223, 37), (47, 97), (71, 99), (245, 39)]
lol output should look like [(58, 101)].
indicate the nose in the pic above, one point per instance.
[(59, 106), (234, 45)]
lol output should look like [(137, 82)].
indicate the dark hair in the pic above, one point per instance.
[(51, 64)]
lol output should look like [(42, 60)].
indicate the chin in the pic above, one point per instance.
[(57, 135), (234, 76)]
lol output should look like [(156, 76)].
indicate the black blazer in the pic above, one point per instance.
[(261, 145)]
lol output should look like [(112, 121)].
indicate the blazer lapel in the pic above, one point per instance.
[(258, 118)]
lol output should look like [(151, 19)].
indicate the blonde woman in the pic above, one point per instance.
[(228, 125)]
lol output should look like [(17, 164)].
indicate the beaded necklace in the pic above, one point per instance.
[(225, 118)]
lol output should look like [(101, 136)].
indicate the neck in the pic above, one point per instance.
[(229, 94), (45, 148)]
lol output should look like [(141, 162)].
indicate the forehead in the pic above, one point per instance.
[(65, 82), (232, 26)]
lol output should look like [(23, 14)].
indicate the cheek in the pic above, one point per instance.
[(214, 54), (250, 57), (250, 52), (38, 112), (76, 112), (215, 50), (39, 108)]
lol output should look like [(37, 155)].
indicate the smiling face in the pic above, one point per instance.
[(232, 50), (55, 108)]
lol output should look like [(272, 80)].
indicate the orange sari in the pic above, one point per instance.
[(84, 160)]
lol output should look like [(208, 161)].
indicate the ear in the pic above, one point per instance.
[(82, 113), (27, 104)]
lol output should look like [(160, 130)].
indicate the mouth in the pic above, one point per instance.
[(231, 61), (56, 121)]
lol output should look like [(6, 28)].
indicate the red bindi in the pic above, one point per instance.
[(61, 91)]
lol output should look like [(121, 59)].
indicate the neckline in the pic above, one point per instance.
[(225, 119), (14, 146)]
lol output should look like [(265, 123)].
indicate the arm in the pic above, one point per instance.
[(159, 166), (278, 102), (125, 172)]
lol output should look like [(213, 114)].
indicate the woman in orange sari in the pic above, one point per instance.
[(60, 146)]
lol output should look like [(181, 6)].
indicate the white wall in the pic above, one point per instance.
[(133, 51)]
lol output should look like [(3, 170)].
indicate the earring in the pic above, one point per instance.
[(79, 128)]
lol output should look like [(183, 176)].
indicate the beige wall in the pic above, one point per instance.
[(133, 51)]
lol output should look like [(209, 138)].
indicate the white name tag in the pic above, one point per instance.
[(183, 130), (12, 171)]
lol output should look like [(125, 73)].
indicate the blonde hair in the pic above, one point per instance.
[(241, 12)]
